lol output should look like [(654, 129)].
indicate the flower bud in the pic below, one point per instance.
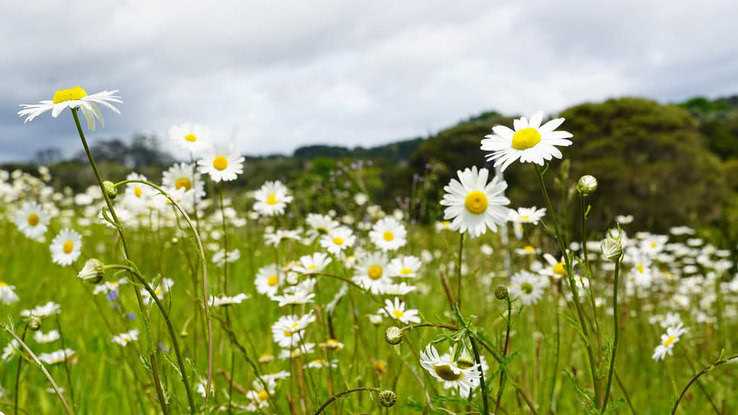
[(501, 292), (387, 398), (612, 248), (393, 335), (34, 323), (587, 184), (110, 189), (93, 271)]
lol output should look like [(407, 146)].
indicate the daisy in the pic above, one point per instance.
[(531, 142), (397, 311), (527, 250), (7, 293), (224, 300), (272, 198), (221, 162), (160, 290), (555, 269), (297, 295), (59, 356), (321, 363), (11, 350), (138, 195), (443, 226), (124, 338), (66, 247), (404, 266), (184, 177), (268, 280), (190, 136), (398, 289), (667, 342), (321, 224), (220, 257), (312, 264), (473, 204), (303, 349), (286, 330), (74, 98), (337, 240), (280, 235), (260, 394), (331, 344), (388, 234), (32, 220), (443, 369), (42, 311), (528, 287), (371, 273), (527, 215), (42, 338)]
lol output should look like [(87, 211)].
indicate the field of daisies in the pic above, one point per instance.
[(176, 294)]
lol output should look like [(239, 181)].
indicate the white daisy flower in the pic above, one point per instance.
[(473, 204), (66, 247), (528, 287), (527, 215), (531, 142), (321, 224), (260, 394), (286, 330), (272, 198), (184, 177), (220, 257), (7, 293), (397, 311), (398, 289), (312, 264), (443, 226), (371, 272), (555, 269), (32, 220), (527, 250), (404, 266), (443, 369), (47, 310), (221, 162), (42, 338), (11, 350), (273, 239), (331, 344), (224, 300), (667, 342), (297, 295), (124, 338), (189, 136), (388, 234), (303, 349), (268, 280), (321, 363), (74, 98), (337, 240), (164, 287), (59, 356)]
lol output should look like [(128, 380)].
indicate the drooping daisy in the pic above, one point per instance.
[(224, 300), (527, 286), (404, 267), (272, 198), (667, 342), (444, 369), (286, 330), (43, 338), (221, 162), (7, 293), (74, 98), (184, 177), (312, 264), (371, 272), (531, 142), (32, 220), (321, 224), (397, 311), (268, 280), (473, 204), (66, 247), (124, 338), (388, 234), (337, 240), (527, 215), (189, 136)]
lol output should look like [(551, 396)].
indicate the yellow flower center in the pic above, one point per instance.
[(338, 241), (406, 271), (397, 313), (640, 268), (33, 219), (653, 244), (262, 396), (379, 366), (220, 163), (526, 138), (183, 183), (526, 217), (669, 341), (287, 333), (526, 287), (445, 223), (446, 373), (272, 199), (191, 138), (375, 272), (3, 284), (137, 191), (559, 269), (388, 236), (476, 202), (529, 248), (273, 280), (68, 247), (157, 292), (71, 94), (311, 267)]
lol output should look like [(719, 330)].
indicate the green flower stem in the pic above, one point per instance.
[(482, 386), (617, 330), (170, 327), (109, 203), (572, 284), (203, 263), (702, 372), (504, 354), (18, 373), (66, 364), (588, 270), (338, 395), (46, 373), (458, 270)]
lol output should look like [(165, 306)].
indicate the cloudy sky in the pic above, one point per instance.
[(274, 75)]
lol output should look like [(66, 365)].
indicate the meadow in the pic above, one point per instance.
[(177, 294)]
